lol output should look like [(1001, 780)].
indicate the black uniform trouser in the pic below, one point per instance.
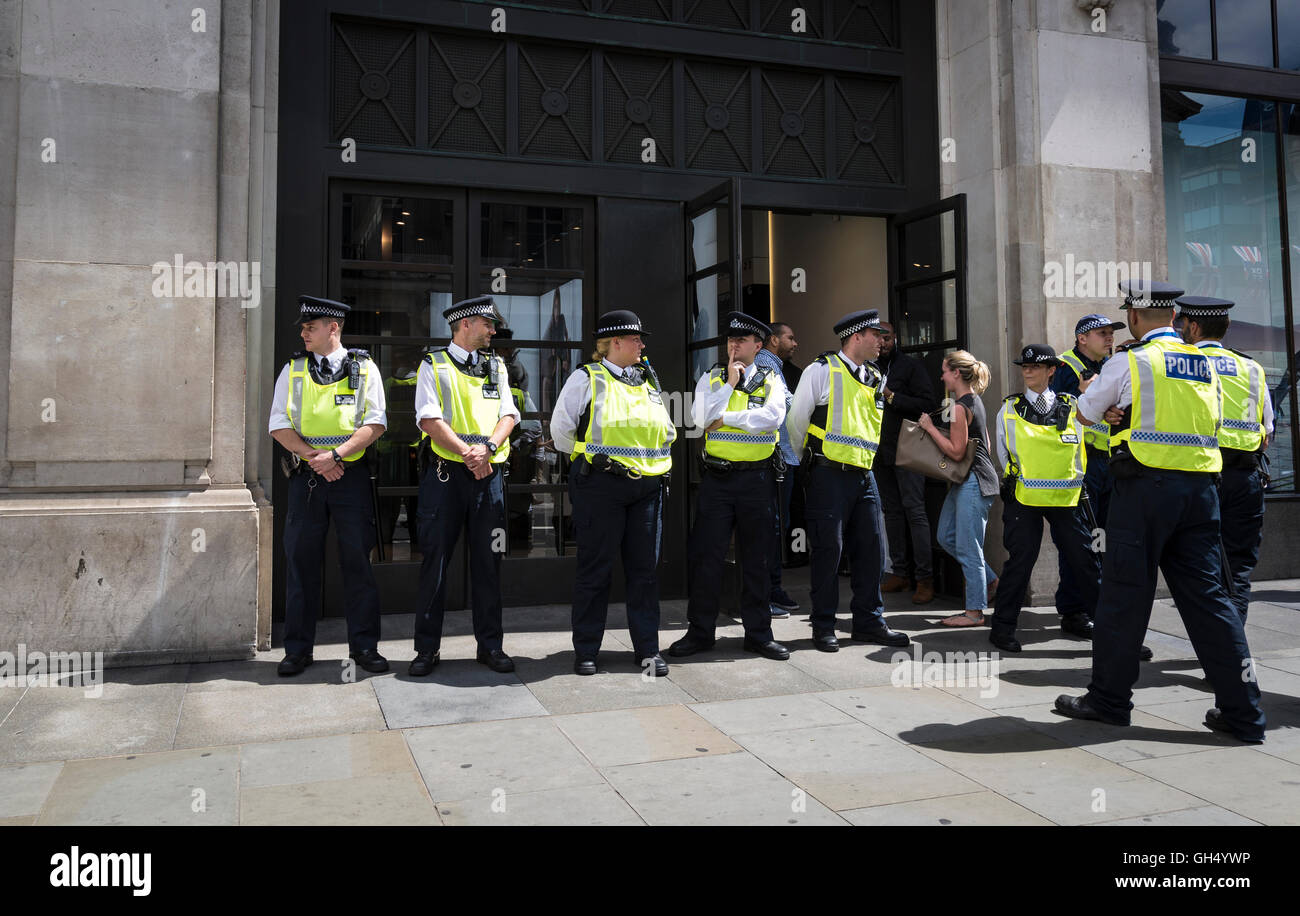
[(1169, 520), (1241, 503), (612, 513), (740, 501), (780, 527), (1022, 536), (842, 512), (1098, 484), (448, 507), (346, 501)]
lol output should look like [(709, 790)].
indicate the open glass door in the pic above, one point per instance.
[(927, 249), (712, 278)]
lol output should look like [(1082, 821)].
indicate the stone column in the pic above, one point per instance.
[(1056, 126), (126, 522)]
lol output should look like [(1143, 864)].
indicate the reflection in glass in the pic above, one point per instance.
[(402, 229), (514, 235), (927, 314), (712, 297), (1245, 29), (1224, 233), (928, 246), (1288, 34), (709, 239), (1184, 27), (1282, 390), (396, 303)]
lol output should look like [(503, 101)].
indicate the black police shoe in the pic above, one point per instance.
[(1215, 720), (781, 598), (825, 642), (293, 664), (770, 649), (1079, 625), (1005, 641), (1080, 708), (584, 666), (689, 645), (497, 660), (656, 661), (424, 663), (882, 636), (370, 660), (1146, 654)]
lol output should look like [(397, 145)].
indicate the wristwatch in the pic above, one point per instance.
[(335, 453), (491, 447)]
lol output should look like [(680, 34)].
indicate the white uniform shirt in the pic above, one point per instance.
[(428, 405), (1111, 386), (1003, 455), (376, 405), (813, 391), (711, 404), (1268, 400), (573, 399)]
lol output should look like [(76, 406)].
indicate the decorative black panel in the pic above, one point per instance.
[(775, 17), (467, 94), (717, 117), (638, 104), (794, 124), (724, 14), (554, 102), (374, 84), (867, 130), (865, 22), (641, 9)]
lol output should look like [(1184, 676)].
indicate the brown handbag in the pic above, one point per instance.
[(918, 452)]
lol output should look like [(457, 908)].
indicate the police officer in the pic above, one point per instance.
[(1247, 426), (465, 410), (1040, 451), (328, 408), (836, 416), (740, 406), (1164, 514), (1094, 338), (610, 417)]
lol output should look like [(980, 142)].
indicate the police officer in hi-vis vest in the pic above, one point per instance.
[(465, 410), (610, 417), (1043, 464), (328, 408), (836, 415), (1164, 514), (1094, 339), (1247, 425), (740, 406)]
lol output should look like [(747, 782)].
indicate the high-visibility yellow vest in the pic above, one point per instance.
[(471, 404), (628, 423), (1177, 407), (1048, 463), (732, 443), (326, 416), (1243, 397), (851, 433), (1098, 434)]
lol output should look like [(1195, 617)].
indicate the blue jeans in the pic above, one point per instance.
[(960, 532)]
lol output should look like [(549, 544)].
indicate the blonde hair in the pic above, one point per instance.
[(972, 371), (602, 349)]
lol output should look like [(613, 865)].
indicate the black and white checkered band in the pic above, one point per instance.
[(1028, 357), (308, 310), (860, 326), (1093, 325), (484, 309), (1132, 303), (1195, 311), (619, 329)]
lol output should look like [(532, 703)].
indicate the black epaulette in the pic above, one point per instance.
[(821, 357), (358, 353), (1066, 398), (1239, 353), (1017, 395), (1124, 348), (300, 354), (428, 353)]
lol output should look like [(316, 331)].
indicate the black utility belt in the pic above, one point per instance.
[(819, 460), (1093, 452), (725, 465), (1237, 460), (606, 465), (1123, 466)]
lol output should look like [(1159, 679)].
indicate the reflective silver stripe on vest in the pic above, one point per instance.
[(359, 419), (1035, 484), (325, 440), (443, 381), (617, 451), (747, 438), (295, 396), (1158, 438), (595, 428)]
